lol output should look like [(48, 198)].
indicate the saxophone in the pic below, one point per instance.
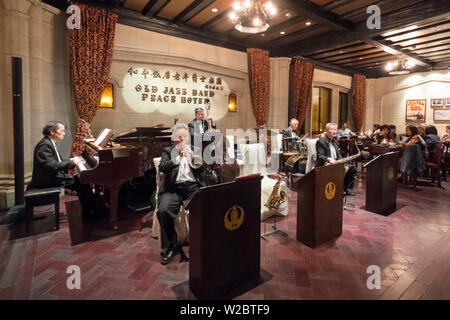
[(344, 160), (275, 199)]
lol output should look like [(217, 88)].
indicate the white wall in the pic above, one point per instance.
[(386, 97), (141, 48)]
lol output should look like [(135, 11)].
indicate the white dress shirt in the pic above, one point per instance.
[(344, 133), (184, 170), (333, 152), (199, 124), (57, 153)]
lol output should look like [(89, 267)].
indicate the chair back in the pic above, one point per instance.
[(254, 158), (312, 154), (438, 153)]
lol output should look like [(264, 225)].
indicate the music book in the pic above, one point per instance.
[(103, 137)]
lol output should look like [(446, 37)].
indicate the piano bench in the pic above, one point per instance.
[(42, 197)]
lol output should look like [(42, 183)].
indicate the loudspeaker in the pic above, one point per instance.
[(19, 174)]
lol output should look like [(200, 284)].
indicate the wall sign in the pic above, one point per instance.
[(415, 110), (441, 114), (174, 90)]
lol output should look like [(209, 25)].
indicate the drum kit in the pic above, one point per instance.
[(297, 151)]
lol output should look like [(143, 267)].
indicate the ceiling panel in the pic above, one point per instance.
[(353, 6), (136, 5), (173, 8), (206, 14), (423, 39)]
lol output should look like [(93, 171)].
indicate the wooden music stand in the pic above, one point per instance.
[(381, 185), (320, 205), (225, 227)]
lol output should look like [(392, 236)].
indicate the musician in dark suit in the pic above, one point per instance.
[(182, 171), (198, 126), (50, 169), (327, 150), (292, 130)]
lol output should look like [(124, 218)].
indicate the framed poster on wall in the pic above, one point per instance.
[(415, 110), (441, 115), (447, 102), (437, 102)]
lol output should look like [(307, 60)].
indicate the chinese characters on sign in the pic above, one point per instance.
[(170, 94), (173, 91)]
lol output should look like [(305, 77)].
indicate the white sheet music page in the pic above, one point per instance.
[(102, 136)]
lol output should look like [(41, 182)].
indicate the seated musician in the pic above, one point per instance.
[(50, 169), (199, 125), (345, 132), (393, 136), (292, 130), (182, 180), (327, 150), (383, 134)]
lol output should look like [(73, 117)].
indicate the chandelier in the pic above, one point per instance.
[(250, 16), (400, 66)]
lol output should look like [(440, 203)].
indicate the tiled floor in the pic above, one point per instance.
[(411, 246)]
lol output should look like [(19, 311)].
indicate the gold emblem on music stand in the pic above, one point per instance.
[(391, 173), (330, 190), (234, 218)]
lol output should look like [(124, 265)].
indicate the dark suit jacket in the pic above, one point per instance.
[(47, 170), (323, 150), (287, 133), (170, 169)]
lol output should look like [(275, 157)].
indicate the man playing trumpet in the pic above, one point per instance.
[(182, 180)]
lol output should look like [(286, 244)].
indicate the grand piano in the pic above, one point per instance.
[(112, 161)]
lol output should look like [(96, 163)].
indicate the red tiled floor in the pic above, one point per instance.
[(407, 246)]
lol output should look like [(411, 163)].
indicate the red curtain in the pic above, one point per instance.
[(301, 85), (259, 76), (91, 49), (359, 92)]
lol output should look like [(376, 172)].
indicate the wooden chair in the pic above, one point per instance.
[(435, 162), (42, 197), (181, 220)]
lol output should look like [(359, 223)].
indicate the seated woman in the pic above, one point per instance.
[(393, 136), (431, 135), (413, 137)]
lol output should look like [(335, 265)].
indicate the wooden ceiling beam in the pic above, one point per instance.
[(154, 7), (397, 51), (192, 10), (316, 13), (423, 12), (413, 46), (336, 4)]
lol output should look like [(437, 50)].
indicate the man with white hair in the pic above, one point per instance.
[(327, 150), (292, 130), (182, 180)]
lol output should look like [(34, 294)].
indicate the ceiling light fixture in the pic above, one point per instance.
[(400, 66), (214, 10), (308, 23), (251, 16)]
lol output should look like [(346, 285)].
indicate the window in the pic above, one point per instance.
[(321, 100), (343, 108)]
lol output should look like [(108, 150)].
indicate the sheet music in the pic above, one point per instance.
[(102, 136)]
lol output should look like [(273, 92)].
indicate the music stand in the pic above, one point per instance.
[(274, 227)]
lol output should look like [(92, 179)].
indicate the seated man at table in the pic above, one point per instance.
[(383, 134), (327, 150), (345, 131), (182, 180), (292, 130), (50, 169)]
